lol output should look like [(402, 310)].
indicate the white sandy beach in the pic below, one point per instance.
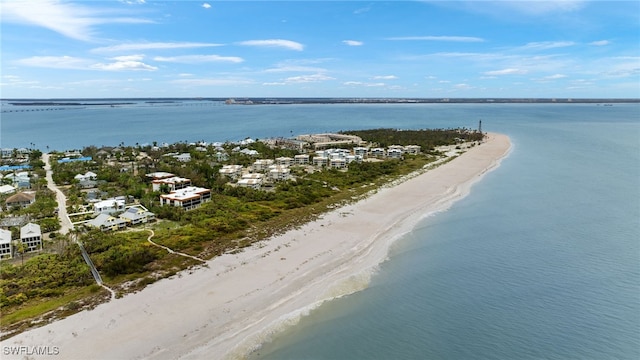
[(230, 307)]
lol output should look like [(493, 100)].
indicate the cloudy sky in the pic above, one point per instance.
[(149, 48)]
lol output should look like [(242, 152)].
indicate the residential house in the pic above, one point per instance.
[(137, 215), (231, 171), (106, 222), (377, 152), (7, 189), (6, 249), (21, 199), (188, 198), (160, 175), (172, 183), (412, 149), (362, 151), (302, 159), (109, 206), (31, 237), (184, 157), (254, 183), (394, 153), (284, 161), (262, 165), (320, 161), (337, 163), (279, 173)]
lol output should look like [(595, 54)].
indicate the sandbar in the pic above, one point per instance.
[(238, 301)]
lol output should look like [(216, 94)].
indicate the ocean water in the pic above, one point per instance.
[(540, 261)]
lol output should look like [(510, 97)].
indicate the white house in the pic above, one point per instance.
[(106, 222), (109, 206), (31, 237), (284, 161), (337, 163), (6, 249), (251, 183), (395, 153), (262, 165), (412, 149), (184, 157), (188, 198), (137, 215), (279, 173), (173, 183), (320, 161), (231, 171), (301, 159), (7, 189)]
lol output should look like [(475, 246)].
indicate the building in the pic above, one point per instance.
[(6, 249), (22, 200), (31, 237), (378, 152), (188, 198), (302, 159), (394, 153), (159, 175), (231, 171), (7, 189), (172, 183), (279, 173), (87, 176), (284, 161), (261, 165), (137, 215), (362, 151), (320, 161), (337, 163), (184, 157), (109, 206), (254, 183), (106, 222), (412, 149)]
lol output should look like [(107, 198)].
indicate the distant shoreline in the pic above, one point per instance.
[(287, 101)]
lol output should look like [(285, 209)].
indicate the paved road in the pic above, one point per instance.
[(65, 223)]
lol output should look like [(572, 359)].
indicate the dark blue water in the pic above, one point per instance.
[(540, 261)]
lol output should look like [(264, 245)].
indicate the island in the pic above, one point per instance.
[(238, 258)]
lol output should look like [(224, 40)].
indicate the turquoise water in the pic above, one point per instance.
[(540, 261)]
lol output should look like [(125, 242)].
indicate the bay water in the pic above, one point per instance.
[(540, 261)]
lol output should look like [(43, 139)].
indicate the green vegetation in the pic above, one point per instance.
[(234, 218)]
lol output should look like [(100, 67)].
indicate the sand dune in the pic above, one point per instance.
[(230, 307)]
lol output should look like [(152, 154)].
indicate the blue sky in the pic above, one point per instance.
[(434, 49)]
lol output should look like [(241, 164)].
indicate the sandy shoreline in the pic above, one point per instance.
[(240, 300)]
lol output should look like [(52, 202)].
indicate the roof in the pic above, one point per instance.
[(5, 236), (187, 193), (6, 189), (134, 213), (29, 230), (104, 220), (21, 197)]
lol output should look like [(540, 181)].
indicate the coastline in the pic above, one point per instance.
[(241, 300)]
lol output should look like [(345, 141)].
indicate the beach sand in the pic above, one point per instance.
[(237, 302)]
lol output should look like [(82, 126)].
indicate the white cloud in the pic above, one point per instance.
[(206, 6), (71, 20), (506, 72), (192, 59), (287, 44), (437, 38), (132, 62), (308, 78), (55, 62), (385, 77), (353, 42), (545, 45), (124, 66), (212, 82), (129, 58), (294, 68), (152, 46), (365, 84), (555, 76), (600, 43)]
